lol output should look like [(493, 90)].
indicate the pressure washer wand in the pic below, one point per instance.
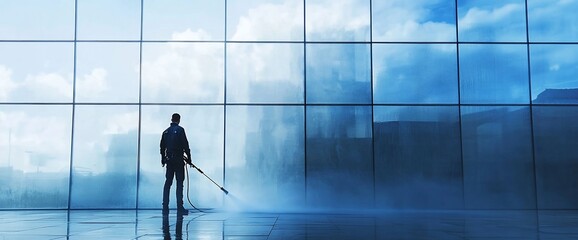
[(201, 171)]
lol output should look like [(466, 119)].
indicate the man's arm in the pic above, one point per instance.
[(186, 148), (163, 147)]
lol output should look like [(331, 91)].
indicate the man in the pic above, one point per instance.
[(174, 144)]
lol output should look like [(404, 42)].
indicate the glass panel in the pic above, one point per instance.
[(556, 148), (419, 21), (183, 20), (264, 157), (37, 20), (107, 72), (552, 21), (35, 159), (329, 20), (338, 73), (554, 73), (397, 81), (252, 20), (498, 164), (36, 72), (183, 72), (265, 73), (339, 148), (108, 20), (492, 21), (417, 157), (104, 157), (204, 129), (496, 73)]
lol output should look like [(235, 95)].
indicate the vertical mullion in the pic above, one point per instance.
[(460, 105), (305, 97), (531, 107), (73, 107), (139, 105), (372, 100), (225, 98)]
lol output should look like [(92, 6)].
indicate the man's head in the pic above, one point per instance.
[(176, 118)]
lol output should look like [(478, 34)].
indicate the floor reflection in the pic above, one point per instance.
[(178, 227), (151, 224)]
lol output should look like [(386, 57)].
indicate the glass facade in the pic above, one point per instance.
[(291, 104)]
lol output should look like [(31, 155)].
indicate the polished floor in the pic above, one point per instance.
[(150, 224)]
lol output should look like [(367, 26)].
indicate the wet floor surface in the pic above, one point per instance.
[(150, 224)]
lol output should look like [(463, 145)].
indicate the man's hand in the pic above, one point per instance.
[(187, 160), (163, 161)]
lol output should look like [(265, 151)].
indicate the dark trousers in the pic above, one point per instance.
[(178, 169)]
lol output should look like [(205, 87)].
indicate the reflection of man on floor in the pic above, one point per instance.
[(174, 144), (178, 228)]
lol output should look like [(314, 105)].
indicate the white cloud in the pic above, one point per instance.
[(333, 19), (34, 87), (7, 85), (412, 30), (200, 34), (50, 86), (476, 17), (36, 139), (555, 67), (183, 72), (122, 123), (93, 84), (553, 20), (271, 22), (403, 20)]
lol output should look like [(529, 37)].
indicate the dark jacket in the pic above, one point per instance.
[(174, 143)]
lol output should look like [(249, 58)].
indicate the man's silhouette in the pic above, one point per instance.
[(174, 145)]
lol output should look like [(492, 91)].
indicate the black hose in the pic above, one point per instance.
[(188, 186)]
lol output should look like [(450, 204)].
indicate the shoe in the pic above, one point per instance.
[(182, 211)]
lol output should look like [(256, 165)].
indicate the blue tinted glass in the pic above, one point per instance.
[(554, 73), (417, 157), (496, 73), (556, 148), (104, 157), (36, 72), (492, 21), (183, 20), (338, 73), (183, 72), (414, 21), (415, 73), (107, 72), (268, 20), (329, 20), (35, 159), (204, 129), (264, 157), (108, 20), (339, 157), (552, 21), (37, 20), (498, 164), (265, 73)]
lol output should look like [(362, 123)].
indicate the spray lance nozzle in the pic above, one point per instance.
[(226, 192)]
